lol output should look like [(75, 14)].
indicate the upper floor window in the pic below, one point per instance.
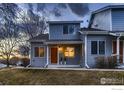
[(98, 47), (68, 29), (65, 29)]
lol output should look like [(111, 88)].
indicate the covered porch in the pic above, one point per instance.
[(64, 53), (118, 47), (113, 46)]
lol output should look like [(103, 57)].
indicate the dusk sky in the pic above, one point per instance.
[(67, 14)]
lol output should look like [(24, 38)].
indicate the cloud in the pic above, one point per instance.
[(79, 9)]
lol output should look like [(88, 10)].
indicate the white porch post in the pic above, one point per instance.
[(47, 55), (85, 51), (118, 49)]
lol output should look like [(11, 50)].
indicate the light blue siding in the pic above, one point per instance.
[(118, 19), (108, 48), (102, 20), (38, 61), (56, 32)]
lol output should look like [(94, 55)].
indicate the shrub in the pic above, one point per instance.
[(25, 61), (14, 60), (101, 62), (112, 62), (3, 61), (106, 62)]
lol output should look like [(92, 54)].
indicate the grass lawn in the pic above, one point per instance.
[(9, 76)]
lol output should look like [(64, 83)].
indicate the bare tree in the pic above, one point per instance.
[(32, 24), (9, 37)]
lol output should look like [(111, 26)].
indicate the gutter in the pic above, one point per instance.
[(85, 49)]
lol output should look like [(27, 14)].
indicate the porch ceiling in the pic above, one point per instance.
[(64, 42)]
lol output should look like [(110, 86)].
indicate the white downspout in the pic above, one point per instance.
[(85, 51), (47, 56), (118, 49)]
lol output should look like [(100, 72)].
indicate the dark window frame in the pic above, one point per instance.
[(68, 26), (96, 50), (102, 51)]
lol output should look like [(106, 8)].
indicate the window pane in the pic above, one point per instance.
[(93, 47), (36, 50), (41, 52), (101, 47), (65, 29), (71, 29), (69, 52)]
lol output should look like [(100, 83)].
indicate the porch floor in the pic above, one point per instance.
[(64, 66)]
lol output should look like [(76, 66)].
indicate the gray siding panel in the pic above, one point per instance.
[(118, 19), (102, 20), (37, 61), (56, 32), (108, 51)]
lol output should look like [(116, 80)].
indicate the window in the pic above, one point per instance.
[(65, 29), (93, 47), (101, 47), (68, 29), (39, 52), (36, 52), (98, 47), (71, 29), (69, 52)]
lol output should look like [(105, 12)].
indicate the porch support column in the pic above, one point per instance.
[(118, 50), (47, 55), (85, 51)]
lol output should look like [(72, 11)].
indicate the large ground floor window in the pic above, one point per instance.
[(67, 51)]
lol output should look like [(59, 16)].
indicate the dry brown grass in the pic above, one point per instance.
[(9, 76)]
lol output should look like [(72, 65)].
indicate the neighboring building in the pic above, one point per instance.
[(68, 45)]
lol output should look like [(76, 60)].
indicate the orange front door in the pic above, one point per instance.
[(121, 50), (54, 55)]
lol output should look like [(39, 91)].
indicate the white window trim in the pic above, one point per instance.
[(39, 47)]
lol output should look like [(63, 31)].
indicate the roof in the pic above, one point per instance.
[(103, 9), (40, 37), (59, 22), (91, 29), (95, 32), (108, 7), (45, 38)]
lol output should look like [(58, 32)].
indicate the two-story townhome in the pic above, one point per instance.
[(68, 45), (61, 47)]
